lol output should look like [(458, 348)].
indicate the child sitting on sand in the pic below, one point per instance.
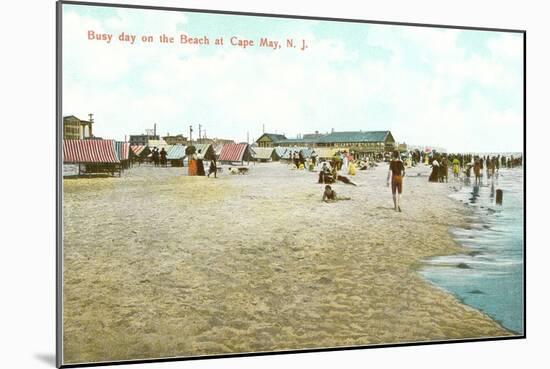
[(329, 195), (325, 175)]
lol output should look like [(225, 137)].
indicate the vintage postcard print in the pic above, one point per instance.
[(241, 183)]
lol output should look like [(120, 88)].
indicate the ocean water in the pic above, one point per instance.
[(489, 276)]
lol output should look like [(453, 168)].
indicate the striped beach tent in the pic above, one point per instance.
[(207, 151), (89, 151), (263, 153), (235, 152), (217, 149), (139, 150), (122, 150), (123, 153), (92, 156), (279, 152), (176, 152)]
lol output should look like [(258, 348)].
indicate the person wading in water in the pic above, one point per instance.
[(396, 172)]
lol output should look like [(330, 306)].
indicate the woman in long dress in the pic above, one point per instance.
[(434, 176), (456, 167), (200, 164), (345, 162), (192, 165)]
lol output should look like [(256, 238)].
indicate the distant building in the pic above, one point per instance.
[(270, 139), (359, 141), (176, 140), (142, 139), (312, 135), (363, 141), (77, 129)]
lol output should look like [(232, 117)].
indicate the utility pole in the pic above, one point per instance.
[(200, 133), (91, 120), (191, 134)]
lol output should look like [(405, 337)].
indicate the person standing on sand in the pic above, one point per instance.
[(456, 167), (163, 154), (396, 172), (314, 158), (345, 162), (434, 175), (213, 168), (200, 163), (155, 157), (444, 170)]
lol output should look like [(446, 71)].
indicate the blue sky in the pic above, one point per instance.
[(458, 89)]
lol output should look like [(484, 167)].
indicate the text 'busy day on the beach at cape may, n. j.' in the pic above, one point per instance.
[(184, 39)]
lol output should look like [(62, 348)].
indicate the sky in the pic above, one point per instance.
[(461, 90)]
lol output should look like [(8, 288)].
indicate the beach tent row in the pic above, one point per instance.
[(92, 156), (265, 154), (289, 153), (175, 154)]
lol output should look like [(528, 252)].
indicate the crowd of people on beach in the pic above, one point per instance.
[(466, 162), (158, 157), (196, 164), (343, 164), (460, 165)]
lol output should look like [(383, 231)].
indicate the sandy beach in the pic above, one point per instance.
[(159, 264)]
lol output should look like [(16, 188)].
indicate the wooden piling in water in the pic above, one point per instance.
[(499, 197)]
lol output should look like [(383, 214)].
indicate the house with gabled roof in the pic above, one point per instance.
[(269, 139)]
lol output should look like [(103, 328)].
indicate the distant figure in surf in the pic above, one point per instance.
[(477, 170), (396, 173)]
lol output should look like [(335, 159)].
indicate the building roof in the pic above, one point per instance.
[(273, 137), (354, 136), (298, 141), (176, 152), (89, 151), (76, 118), (263, 153), (234, 152)]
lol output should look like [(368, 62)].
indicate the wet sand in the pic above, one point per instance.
[(158, 264)]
